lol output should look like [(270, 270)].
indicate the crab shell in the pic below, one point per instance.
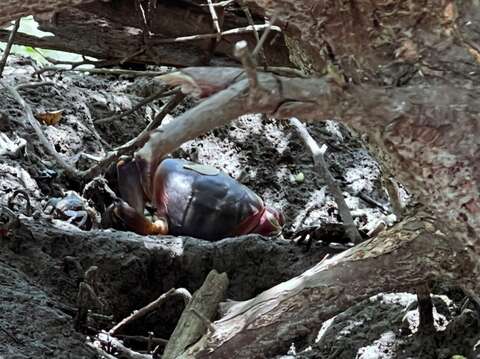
[(203, 202)]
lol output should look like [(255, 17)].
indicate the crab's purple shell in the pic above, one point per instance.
[(203, 202)]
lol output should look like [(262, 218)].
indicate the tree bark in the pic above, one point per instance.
[(116, 31), (13, 9)]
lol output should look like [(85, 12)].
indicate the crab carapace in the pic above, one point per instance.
[(190, 199)]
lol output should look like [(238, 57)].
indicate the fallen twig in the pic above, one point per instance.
[(32, 85), (137, 142), (142, 339), (148, 308), (216, 24), (236, 31), (249, 17), (70, 170), (373, 202), (248, 62), (220, 3), (8, 48), (322, 167), (145, 101), (269, 27), (105, 339), (103, 71)]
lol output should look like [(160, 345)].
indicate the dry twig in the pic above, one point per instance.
[(203, 305), (70, 170), (322, 167), (135, 143), (236, 31), (269, 27), (103, 71), (216, 24), (105, 340), (148, 308), (248, 62), (8, 48), (145, 101), (249, 17), (220, 4), (142, 339)]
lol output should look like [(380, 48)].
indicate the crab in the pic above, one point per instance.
[(190, 199), (72, 208)]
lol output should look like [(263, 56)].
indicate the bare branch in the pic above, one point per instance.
[(145, 101), (262, 40), (101, 71), (70, 170), (135, 143), (249, 17), (216, 24), (146, 309), (241, 52), (321, 165), (236, 31), (106, 340), (8, 47)]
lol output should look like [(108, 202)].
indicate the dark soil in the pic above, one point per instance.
[(38, 289)]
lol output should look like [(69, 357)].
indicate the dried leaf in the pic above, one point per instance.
[(49, 118)]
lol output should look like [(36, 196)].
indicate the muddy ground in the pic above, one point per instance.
[(38, 289)]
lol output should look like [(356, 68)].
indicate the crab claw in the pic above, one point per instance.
[(129, 184), (271, 222), (123, 217)]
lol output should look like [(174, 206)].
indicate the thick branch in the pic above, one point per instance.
[(114, 31), (412, 142), (266, 325)]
